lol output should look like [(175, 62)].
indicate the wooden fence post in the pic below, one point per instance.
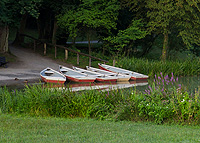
[(55, 52), (90, 61), (66, 54), (77, 59), (113, 63), (45, 48)]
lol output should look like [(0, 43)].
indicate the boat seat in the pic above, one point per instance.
[(48, 72), (3, 62), (62, 70)]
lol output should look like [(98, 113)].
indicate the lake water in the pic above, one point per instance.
[(190, 83)]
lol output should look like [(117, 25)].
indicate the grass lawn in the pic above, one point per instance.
[(32, 129)]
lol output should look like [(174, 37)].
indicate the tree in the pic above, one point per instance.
[(11, 12), (26, 8), (5, 20), (163, 16), (90, 15), (183, 15), (124, 37), (188, 22), (47, 22)]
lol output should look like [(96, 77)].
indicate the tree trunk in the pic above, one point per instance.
[(165, 46), (39, 28), (4, 32), (19, 39), (54, 32)]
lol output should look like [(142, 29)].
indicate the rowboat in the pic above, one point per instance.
[(75, 76), (134, 75), (98, 76), (52, 76), (120, 77)]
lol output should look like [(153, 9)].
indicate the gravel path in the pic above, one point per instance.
[(27, 67)]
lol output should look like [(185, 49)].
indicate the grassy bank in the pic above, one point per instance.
[(32, 129), (188, 67), (159, 103)]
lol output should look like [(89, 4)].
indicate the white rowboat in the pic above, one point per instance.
[(134, 75), (75, 76), (52, 76), (120, 77), (99, 77)]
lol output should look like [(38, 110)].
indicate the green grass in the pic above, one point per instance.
[(31, 129)]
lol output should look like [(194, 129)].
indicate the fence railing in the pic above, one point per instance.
[(62, 47)]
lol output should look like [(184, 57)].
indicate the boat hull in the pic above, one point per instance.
[(52, 81), (123, 79), (79, 80), (105, 80)]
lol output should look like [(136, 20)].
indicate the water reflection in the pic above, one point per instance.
[(105, 86), (188, 83)]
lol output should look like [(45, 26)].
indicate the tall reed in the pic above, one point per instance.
[(158, 103), (188, 67)]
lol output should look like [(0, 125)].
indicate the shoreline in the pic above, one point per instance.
[(19, 82)]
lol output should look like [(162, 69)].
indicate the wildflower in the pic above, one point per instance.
[(166, 77), (159, 78), (161, 74), (183, 100), (177, 79), (172, 78), (150, 88)]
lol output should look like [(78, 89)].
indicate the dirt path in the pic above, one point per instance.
[(27, 67)]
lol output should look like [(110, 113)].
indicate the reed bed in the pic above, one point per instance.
[(189, 67), (158, 103)]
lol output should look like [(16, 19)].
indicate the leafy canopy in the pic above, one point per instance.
[(10, 11), (91, 14), (124, 37)]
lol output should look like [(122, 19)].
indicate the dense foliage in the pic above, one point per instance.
[(123, 26)]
